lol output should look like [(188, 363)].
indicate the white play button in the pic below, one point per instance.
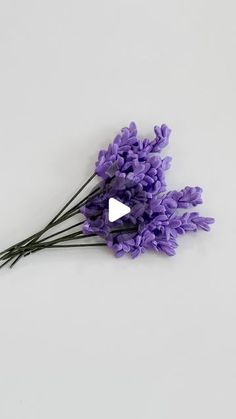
[(116, 210)]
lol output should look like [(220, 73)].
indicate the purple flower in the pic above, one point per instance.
[(187, 196), (134, 172), (133, 159)]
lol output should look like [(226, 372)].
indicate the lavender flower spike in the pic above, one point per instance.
[(134, 173)]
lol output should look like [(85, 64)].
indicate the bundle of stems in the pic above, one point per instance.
[(40, 240), (36, 242)]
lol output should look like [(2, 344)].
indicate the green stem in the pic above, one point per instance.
[(75, 236), (33, 247), (61, 211), (13, 263), (3, 264), (77, 245), (60, 232), (73, 198), (19, 247), (57, 233), (37, 246), (53, 222)]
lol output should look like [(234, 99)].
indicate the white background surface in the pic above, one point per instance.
[(83, 335)]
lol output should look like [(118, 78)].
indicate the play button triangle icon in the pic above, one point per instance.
[(116, 210)]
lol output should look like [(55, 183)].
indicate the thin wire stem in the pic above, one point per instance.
[(37, 246), (52, 224), (61, 231), (84, 200), (77, 245), (13, 263), (3, 264), (18, 247), (34, 237), (57, 233), (66, 205), (53, 243), (73, 198)]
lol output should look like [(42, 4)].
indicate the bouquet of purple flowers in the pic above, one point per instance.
[(132, 171)]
